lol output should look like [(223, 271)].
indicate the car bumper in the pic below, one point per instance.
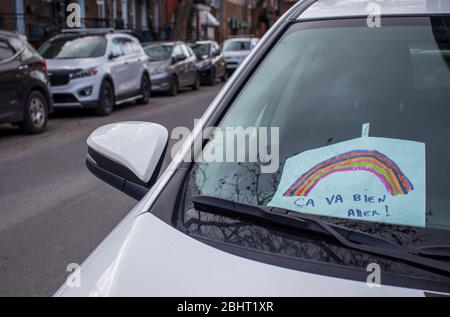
[(160, 82), (73, 94)]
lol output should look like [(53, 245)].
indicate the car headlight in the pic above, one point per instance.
[(158, 70), (84, 73)]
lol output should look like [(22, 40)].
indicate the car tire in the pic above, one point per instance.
[(36, 113), (145, 90), (212, 77), (174, 87), (196, 85), (106, 99)]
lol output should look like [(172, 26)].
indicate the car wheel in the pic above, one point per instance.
[(196, 85), (145, 90), (106, 99), (36, 113), (173, 90), (212, 77)]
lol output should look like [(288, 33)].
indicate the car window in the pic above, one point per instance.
[(235, 45), (6, 51), (186, 50), (74, 47), (136, 47), (330, 116), (177, 50), (191, 52), (127, 46), (116, 49), (201, 50), (158, 52)]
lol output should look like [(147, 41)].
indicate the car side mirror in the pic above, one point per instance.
[(178, 58), (114, 55), (127, 155)]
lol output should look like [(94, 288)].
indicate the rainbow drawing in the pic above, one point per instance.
[(393, 179)]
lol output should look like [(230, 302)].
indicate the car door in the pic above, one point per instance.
[(131, 62), (179, 64), (219, 62), (141, 63), (11, 77), (118, 67), (138, 63), (191, 69)]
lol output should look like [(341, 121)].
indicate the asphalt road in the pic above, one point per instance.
[(52, 210)]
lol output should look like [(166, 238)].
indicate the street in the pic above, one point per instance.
[(53, 210)]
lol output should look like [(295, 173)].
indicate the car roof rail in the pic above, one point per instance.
[(241, 36), (87, 30)]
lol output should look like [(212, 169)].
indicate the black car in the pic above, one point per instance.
[(24, 96), (211, 64)]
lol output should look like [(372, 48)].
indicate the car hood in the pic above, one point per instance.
[(147, 257), (69, 64)]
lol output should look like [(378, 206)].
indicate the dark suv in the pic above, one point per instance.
[(24, 96)]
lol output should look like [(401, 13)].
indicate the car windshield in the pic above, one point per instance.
[(234, 45), (357, 123), (201, 50), (158, 52), (74, 47)]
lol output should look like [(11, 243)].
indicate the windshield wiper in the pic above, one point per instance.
[(352, 239)]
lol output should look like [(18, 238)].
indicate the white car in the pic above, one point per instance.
[(96, 69), (235, 50), (358, 204)]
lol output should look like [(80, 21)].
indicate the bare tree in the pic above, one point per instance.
[(256, 13), (182, 19)]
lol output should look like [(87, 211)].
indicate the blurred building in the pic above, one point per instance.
[(152, 19), (40, 19)]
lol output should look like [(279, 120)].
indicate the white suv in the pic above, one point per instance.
[(96, 69)]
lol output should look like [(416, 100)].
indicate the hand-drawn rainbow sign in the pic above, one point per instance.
[(372, 161), (367, 178)]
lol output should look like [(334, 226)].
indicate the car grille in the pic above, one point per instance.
[(59, 79), (64, 98)]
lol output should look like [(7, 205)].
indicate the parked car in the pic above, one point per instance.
[(211, 64), (358, 110), (96, 69), (172, 66), (24, 95), (235, 50)]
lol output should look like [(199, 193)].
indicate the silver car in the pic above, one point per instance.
[(172, 66), (96, 69), (235, 50), (356, 121)]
